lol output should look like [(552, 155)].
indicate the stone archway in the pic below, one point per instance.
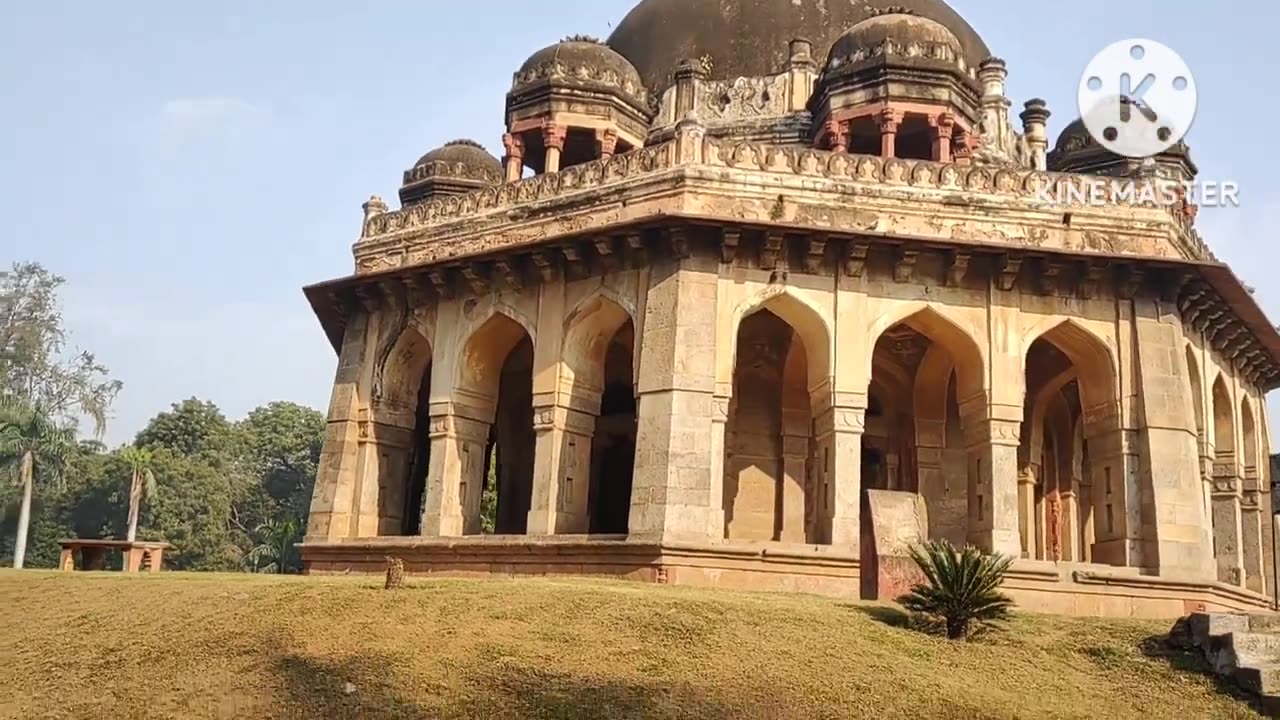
[(772, 489), (400, 421), (1227, 530), (1071, 390), (494, 393), (927, 374), (598, 441)]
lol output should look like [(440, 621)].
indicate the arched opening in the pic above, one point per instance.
[(924, 372), (598, 371), (771, 489), (1077, 500), (1227, 528), (613, 448), (1202, 437), (420, 458), (864, 136), (496, 389), (400, 441), (1251, 502)]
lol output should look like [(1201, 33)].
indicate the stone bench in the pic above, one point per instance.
[(93, 554)]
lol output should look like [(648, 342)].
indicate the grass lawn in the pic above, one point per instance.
[(93, 645)]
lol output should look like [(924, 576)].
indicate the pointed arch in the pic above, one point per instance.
[(1249, 438), (809, 323), (589, 329), (1224, 423), (1197, 398), (964, 349), (1093, 359), (486, 350)]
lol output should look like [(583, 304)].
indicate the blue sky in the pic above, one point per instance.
[(188, 167)]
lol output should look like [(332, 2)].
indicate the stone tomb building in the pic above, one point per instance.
[(745, 310)]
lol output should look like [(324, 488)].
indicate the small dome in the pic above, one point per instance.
[(459, 166), (899, 34), (1077, 151), (581, 60), (457, 159)]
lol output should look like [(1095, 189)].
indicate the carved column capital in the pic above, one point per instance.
[(607, 142), (889, 120), (513, 145), (836, 134), (942, 124), (553, 135)]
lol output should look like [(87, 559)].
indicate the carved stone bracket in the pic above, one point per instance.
[(856, 264)]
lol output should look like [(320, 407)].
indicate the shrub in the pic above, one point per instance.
[(961, 588)]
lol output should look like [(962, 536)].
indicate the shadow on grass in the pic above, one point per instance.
[(356, 687), (891, 616), (523, 692), (1157, 647)]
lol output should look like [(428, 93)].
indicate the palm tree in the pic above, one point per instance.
[(961, 588), (32, 444), (142, 484), (275, 549)]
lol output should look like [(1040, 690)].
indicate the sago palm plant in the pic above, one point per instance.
[(33, 446), (961, 587)]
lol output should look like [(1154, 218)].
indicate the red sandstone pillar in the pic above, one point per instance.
[(889, 120), (837, 135), (553, 140), (514, 146), (607, 143), (941, 126)]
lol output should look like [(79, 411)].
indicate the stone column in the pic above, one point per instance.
[(715, 502), (889, 120), (514, 159), (1251, 532), (1070, 525), (334, 494), (839, 432), (795, 455), (688, 75), (671, 491), (837, 135), (1109, 456), (553, 140), (1027, 511), (386, 433), (1086, 506), (1227, 526), (1170, 485), (993, 500), (455, 475), (992, 74), (941, 126), (606, 143), (562, 471)]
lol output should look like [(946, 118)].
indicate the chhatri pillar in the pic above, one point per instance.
[(514, 159), (889, 121), (553, 137)]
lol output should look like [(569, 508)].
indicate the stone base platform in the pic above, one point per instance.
[(1042, 587)]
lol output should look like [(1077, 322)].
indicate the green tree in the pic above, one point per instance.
[(275, 551), (34, 361), (961, 588), (33, 445), (190, 427), (193, 509), (283, 442), (142, 484)]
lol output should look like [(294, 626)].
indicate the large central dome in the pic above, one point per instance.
[(748, 38)]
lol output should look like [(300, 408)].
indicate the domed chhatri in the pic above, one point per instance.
[(571, 102), (764, 292), (584, 60), (892, 35), (748, 38), (898, 84), (1077, 151), (457, 167)]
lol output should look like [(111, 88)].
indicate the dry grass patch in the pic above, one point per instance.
[(218, 646)]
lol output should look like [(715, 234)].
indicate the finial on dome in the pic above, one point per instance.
[(584, 39)]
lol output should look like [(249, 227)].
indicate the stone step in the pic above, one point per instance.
[(1265, 623), (1262, 646), (1262, 679)]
